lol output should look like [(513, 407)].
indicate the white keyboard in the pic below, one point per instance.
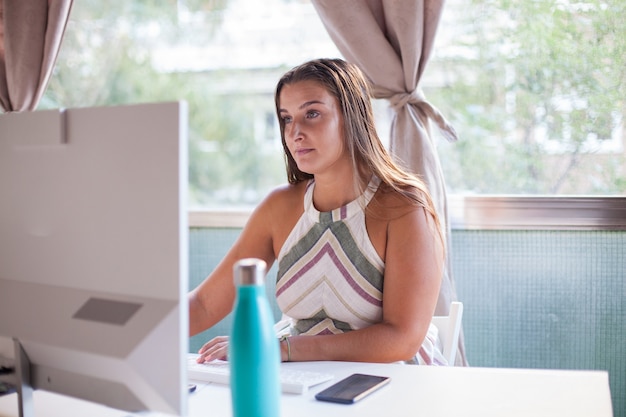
[(291, 380)]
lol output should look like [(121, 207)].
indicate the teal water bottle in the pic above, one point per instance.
[(254, 352)]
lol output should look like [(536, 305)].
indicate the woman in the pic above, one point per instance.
[(358, 243)]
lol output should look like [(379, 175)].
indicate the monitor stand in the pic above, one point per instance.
[(20, 378)]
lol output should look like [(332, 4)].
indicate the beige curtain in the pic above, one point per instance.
[(30, 37), (391, 41)]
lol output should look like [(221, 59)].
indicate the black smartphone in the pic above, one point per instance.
[(353, 388)]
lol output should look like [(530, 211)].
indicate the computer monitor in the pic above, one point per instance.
[(93, 254)]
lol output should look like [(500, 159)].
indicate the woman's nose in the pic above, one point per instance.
[(294, 132)]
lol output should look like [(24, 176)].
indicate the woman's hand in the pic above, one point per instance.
[(216, 348)]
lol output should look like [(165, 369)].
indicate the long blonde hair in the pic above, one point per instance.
[(349, 86)]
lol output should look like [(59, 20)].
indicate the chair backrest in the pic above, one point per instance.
[(449, 329)]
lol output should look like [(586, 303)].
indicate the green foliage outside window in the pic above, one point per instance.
[(539, 101), (535, 89)]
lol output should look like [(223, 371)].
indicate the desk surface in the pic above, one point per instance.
[(413, 391)]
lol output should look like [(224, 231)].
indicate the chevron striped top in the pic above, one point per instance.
[(330, 277)]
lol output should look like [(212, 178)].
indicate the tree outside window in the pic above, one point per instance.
[(535, 88)]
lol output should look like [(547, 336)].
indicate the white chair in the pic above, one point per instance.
[(449, 329)]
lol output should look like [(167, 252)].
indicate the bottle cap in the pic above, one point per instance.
[(249, 271)]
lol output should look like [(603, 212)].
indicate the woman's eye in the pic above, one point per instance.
[(286, 119), (311, 114)]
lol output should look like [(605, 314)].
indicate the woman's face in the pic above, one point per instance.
[(313, 128)]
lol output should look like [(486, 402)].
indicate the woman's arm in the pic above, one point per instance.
[(213, 299)]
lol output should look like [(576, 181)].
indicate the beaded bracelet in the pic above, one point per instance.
[(285, 338)]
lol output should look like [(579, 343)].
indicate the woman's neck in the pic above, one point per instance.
[(333, 192)]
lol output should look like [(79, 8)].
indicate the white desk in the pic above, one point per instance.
[(413, 391)]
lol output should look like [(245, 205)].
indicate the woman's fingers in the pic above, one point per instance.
[(216, 348)]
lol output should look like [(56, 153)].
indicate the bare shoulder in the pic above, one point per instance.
[(281, 209), (285, 198), (395, 221), (389, 205)]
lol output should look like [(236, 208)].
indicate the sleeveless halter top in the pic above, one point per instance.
[(330, 278)]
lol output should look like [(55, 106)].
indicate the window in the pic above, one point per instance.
[(535, 89)]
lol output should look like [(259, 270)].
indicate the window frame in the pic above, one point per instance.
[(488, 212)]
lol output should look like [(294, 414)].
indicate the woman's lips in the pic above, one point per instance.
[(303, 151)]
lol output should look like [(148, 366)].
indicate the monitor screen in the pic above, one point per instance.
[(93, 253)]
